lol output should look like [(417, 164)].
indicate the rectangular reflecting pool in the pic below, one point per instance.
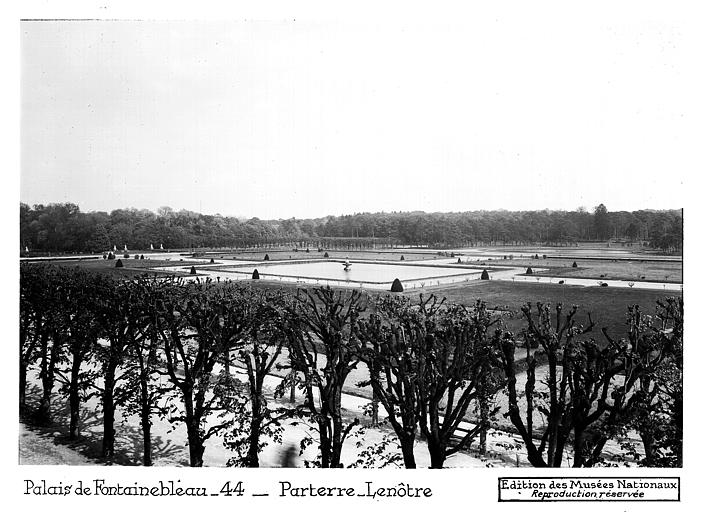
[(358, 272)]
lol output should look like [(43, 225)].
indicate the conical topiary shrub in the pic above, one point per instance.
[(536, 256), (111, 256), (574, 265), (529, 271), (326, 255), (307, 249), (119, 264), (255, 274), (193, 270), (401, 258), (459, 260), (211, 260), (142, 257), (397, 286), (485, 275), (266, 258)]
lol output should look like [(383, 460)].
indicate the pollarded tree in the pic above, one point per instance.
[(144, 349), (258, 350), (593, 389), (322, 331), (34, 319), (544, 339), (122, 324), (79, 319), (649, 399), (189, 324), (388, 350), (43, 298), (456, 369), (428, 364)]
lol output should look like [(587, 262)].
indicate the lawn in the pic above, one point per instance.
[(608, 306), (661, 271), (277, 255)]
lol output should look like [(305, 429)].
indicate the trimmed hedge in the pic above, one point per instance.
[(397, 286), (485, 275), (119, 264), (255, 274)]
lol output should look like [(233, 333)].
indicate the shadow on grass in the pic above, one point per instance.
[(128, 440)]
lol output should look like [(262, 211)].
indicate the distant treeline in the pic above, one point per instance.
[(62, 227)]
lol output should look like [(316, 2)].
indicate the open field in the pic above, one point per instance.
[(608, 306), (610, 269), (132, 267), (276, 255)]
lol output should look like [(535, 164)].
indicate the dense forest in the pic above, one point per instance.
[(62, 227)]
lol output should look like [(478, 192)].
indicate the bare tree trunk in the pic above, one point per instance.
[(146, 429), (74, 398), (324, 443), (145, 412), (436, 451), (293, 387), (22, 384), (374, 418), (108, 432), (47, 380), (407, 445), (256, 423), (227, 361), (194, 441), (252, 459), (484, 420)]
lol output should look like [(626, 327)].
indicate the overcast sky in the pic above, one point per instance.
[(280, 118)]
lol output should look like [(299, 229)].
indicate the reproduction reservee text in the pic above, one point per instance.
[(589, 489)]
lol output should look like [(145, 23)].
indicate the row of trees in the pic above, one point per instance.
[(63, 227), (166, 348)]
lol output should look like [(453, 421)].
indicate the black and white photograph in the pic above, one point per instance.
[(368, 237)]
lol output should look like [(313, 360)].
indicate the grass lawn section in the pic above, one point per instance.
[(661, 271), (333, 254), (131, 269), (608, 306)]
